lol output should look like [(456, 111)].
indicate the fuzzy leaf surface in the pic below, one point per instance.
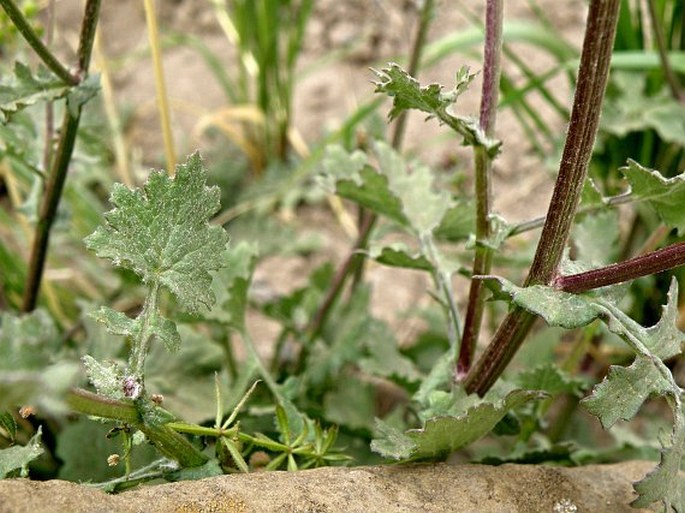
[(557, 307), (162, 233), (664, 483), (407, 93), (25, 88), (444, 434), (664, 195), (624, 389)]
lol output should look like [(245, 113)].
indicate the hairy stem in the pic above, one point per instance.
[(592, 78), (22, 25), (483, 258), (59, 168), (643, 265), (141, 344), (169, 442)]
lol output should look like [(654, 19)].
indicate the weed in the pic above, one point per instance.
[(179, 286)]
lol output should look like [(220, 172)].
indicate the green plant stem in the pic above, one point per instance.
[(48, 210), (592, 78), (169, 442), (483, 166), (88, 403), (643, 265), (24, 28), (671, 78), (59, 168), (368, 219), (539, 222), (141, 344)]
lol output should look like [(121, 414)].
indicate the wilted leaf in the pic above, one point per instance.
[(161, 232), (664, 195)]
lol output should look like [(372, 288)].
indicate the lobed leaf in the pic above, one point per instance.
[(17, 458), (162, 233), (664, 195), (557, 307), (623, 391), (665, 484), (25, 88), (407, 93), (634, 111), (445, 434)]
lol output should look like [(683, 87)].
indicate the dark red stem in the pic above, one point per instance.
[(643, 265)]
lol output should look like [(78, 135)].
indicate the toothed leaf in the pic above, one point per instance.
[(26, 88), (664, 195), (162, 233), (624, 390), (407, 93)]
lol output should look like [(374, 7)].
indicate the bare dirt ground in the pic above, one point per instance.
[(327, 91)]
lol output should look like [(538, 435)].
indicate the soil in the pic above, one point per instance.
[(387, 489)]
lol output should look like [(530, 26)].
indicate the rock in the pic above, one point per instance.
[(402, 488)]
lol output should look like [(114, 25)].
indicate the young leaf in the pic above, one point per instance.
[(161, 232), (26, 89), (407, 93), (105, 378), (18, 458), (118, 323), (664, 195)]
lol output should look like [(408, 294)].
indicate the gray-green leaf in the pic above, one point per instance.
[(18, 457), (664, 195), (407, 93), (162, 233)]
